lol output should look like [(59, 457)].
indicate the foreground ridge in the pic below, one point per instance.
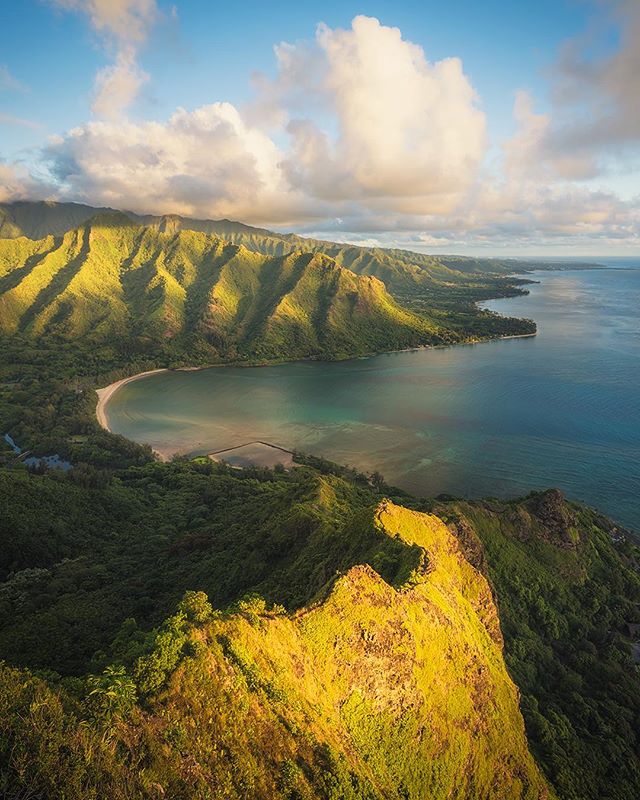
[(358, 651), (371, 692)]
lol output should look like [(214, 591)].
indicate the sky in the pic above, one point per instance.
[(494, 127)]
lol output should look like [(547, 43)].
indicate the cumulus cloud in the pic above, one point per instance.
[(117, 85), (358, 136), (409, 132), (12, 185), (123, 26), (538, 211), (604, 91), (17, 184), (207, 162), (504, 214), (123, 20), (522, 152), (408, 136), (405, 135), (298, 88)]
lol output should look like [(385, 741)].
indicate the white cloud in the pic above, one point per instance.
[(123, 26), (17, 184), (409, 132), (117, 85), (593, 125), (603, 92), (358, 135), (407, 136), (124, 21), (206, 162), (522, 151)]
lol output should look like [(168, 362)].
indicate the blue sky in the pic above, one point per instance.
[(195, 54), (212, 52)]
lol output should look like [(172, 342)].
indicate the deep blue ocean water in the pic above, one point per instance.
[(495, 419)]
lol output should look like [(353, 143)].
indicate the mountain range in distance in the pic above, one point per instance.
[(396, 267), (222, 291)]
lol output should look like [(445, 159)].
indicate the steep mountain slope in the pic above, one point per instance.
[(117, 283), (375, 690), (385, 681), (380, 670), (399, 269), (567, 582)]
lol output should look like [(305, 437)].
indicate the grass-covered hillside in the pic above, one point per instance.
[(399, 269), (342, 684), (190, 631), (130, 289), (120, 538), (355, 649)]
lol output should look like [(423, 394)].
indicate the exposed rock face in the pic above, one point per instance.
[(559, 521), (470, 543), (406, 687)]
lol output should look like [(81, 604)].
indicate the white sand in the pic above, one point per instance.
[(105, 394)]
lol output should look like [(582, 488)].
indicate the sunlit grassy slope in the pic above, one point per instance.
[(112, 280), (373, 690), (379, 673), (399, 269)]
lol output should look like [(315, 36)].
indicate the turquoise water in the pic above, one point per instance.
[(500, 418)]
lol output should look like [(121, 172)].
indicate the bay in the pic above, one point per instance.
[(495, 419)]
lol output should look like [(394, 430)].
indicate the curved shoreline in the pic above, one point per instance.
[(106, 393)]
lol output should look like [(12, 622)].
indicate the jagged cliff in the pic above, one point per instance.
[(371, 692), (374, 667)]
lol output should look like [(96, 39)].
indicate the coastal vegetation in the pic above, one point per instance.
[(567, 584), (194, 631)]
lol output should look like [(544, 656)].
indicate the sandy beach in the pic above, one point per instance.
[(105, 394)]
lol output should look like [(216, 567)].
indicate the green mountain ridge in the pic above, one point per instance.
[(191, 631), (114, 283), (357, 649), (291, 704), (399, 269), (39, 219)]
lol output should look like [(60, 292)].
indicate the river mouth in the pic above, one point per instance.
[(500, 419)]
